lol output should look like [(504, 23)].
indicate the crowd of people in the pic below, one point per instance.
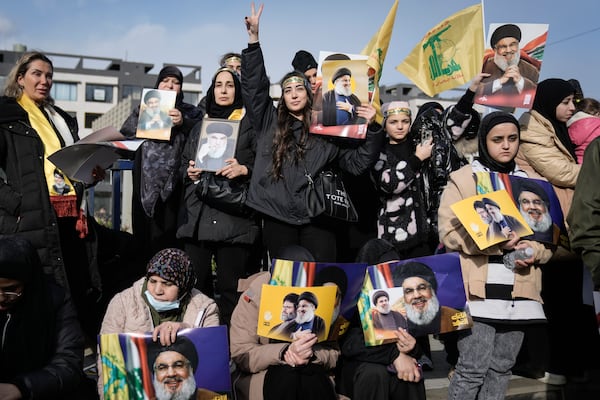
[(205, 264)]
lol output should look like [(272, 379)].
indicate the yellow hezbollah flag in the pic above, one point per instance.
[(449, 55), (114, 374), (377, 50)]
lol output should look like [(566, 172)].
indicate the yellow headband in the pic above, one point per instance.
[(292, 79), (232, 59), (399, 110)]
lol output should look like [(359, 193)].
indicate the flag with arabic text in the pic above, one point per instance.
[(449, 55)]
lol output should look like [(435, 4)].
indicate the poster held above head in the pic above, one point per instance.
[(513, 61), (345, 87)]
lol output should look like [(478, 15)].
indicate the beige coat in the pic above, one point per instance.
[(543, 156), (127, 312), (474, 262), (252, 353)]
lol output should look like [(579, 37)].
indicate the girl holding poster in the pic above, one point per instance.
[(502, 302)]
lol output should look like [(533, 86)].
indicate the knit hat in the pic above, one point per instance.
[(303, 61), (175, 266), (504, 31), (219, 127), (378, 294), (340, 72), (333, 274), (310, 297), (182, 345), (414, 269)]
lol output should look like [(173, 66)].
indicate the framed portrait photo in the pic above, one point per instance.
[(218, 138)]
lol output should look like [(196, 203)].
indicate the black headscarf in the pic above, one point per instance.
[(175, 72), (487, 123), (30, 340), (214, 110), (548, 96), (429, 105)]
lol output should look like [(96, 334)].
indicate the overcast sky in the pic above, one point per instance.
[(198, 32)]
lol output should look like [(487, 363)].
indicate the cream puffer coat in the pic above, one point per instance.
[(127, 312)]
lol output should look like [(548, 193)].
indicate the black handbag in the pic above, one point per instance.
[(227, 195), (327, 195)]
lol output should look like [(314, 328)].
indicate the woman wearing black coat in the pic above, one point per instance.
[(286, 151), (157, 181), (37, 201), (210, 232)]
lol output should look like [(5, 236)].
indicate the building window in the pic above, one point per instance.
[(129, 90), (64, 91), (89, 118), (99, 93), (191, 97)]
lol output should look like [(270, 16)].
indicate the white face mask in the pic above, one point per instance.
[(159, 305)]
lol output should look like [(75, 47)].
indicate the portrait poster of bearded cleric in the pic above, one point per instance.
[(432, 298), (536, 202), (512, 61), (345, 86), (311, 311), (154, 121), (540, 208), (195, 366), (347, 277), (218, 138)]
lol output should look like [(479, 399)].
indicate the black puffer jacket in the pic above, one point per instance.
[(61, 376), (25, 206), (203, 222), (284, 199)]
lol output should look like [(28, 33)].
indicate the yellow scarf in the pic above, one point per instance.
[(65, 201), (237, 114)]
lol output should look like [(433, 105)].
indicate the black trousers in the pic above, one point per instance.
[(375, 382), (318, 238), (310, 381), (231, 263)]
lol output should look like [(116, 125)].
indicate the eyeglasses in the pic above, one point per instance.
[(10, 295), (178, 366), (503, 47), (423, 287), (527, 202)]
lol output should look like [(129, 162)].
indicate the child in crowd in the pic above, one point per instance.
[(397, 174)]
